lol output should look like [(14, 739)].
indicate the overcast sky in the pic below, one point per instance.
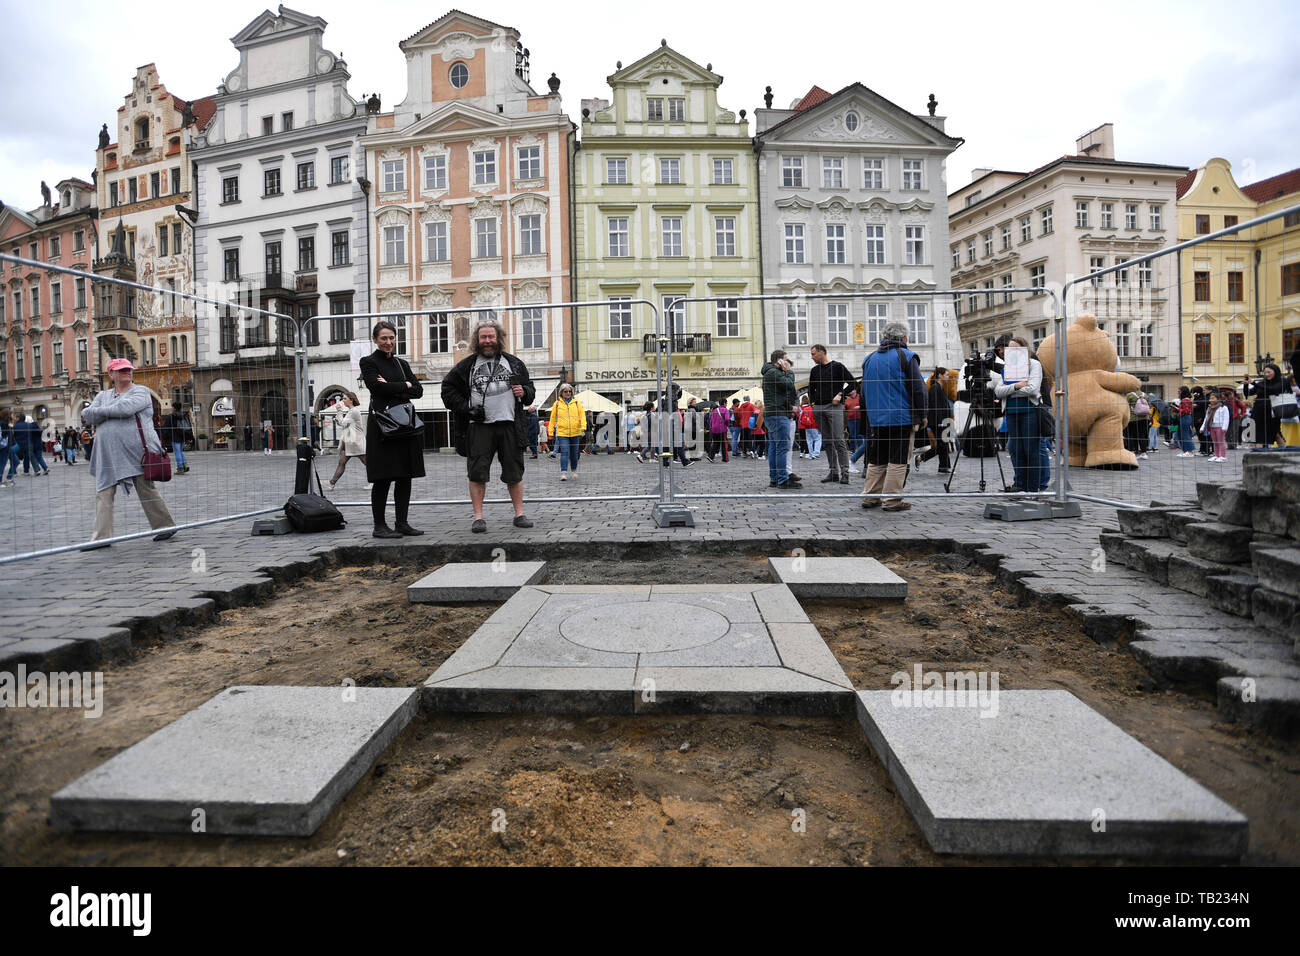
[(1182, 82)]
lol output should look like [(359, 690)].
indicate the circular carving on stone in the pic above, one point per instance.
[(644, 627), (324, 63)]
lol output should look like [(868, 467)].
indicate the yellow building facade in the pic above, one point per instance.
[(1240, 294)]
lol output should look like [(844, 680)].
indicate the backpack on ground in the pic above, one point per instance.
[(308, 512)]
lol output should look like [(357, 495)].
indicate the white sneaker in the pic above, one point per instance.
[(1143, 455), (854, 471), (564, 476)]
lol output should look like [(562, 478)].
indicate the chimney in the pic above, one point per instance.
[(977, 173), (1098, 143)]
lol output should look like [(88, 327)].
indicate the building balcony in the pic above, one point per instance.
[(683, 343), (116, 323)]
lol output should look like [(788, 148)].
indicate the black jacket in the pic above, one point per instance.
[(393, 459), (456, 397), (827, 381)]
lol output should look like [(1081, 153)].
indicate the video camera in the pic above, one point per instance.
[(978, 393)]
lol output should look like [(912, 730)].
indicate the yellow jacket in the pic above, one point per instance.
[(568, 419)]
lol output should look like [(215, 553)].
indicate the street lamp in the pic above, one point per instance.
[(1261, 361)]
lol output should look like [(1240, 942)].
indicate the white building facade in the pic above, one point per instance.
[(1071, 217), (852, 194), (282, 224)]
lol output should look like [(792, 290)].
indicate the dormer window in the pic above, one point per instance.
[(67, 199), (459, 75)]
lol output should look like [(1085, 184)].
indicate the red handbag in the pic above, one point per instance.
[(157, 466)]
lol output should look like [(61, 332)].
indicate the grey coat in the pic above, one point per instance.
[(117, 451)]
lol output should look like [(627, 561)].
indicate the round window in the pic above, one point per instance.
[(459, 75), (851, 121)]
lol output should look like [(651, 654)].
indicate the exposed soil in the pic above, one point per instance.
[(613, 790)]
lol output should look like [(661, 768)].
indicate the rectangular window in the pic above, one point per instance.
[(835, 251), (58, 358), (913, 174), (439, 333), (1201, 282), (671, 236), (1121, 277), (1202, 224), (394, 172), (286, 122), (1046, 215), (1157, 217), (56, 297), (674, 315), (970, 250), (394, 245), (1146, 341), (1291, 278), (54, 247), (1038, 278), (832, 172), (83, 354), (1096, 264), (973, 302), (918, 323), (18, 307), (1037, 335), (914, 245), (728, 317), (620, 317), (1081, 214), (1108, 215), (273, 263), (230, 262), (988, 244), (163, 235), (877, 319), (306, 175), (1203, 348), (268, 125), (1006, 236), (875, 245), (794, 242), (796, 323), (988, 296), (956, 258), (1122, 339), (112, 194), (837, 323), (530, 235), (485, 238), (1144, 276), (530, 325), (271, 182), (310, 330), (230, 189), (1236, 287), (155, 185), (1291, 219), (723, 172), (338, 169), (341, 318), (1236, 348), (724, 235), (435, 242), (176, 180), (78, 293), (1026, 228), (130, 190), (655, 109), (670, 171), (1006, 295), (530, 162), (339, 248), (176, 238), (306, 253), (1228, 221), (435, 172), (873, 174), (20, 356), (616, 171), (38, 369), (402, 347), (676, 109), (792, 172), (79, 241), (618, 237), (1130, 216)]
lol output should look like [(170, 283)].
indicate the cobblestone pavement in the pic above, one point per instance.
[(78, 609)]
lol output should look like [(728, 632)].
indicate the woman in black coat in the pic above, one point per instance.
[(938, 410), (1266, 415), (396, 461)]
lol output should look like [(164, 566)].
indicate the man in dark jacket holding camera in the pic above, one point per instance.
[(487, 394)]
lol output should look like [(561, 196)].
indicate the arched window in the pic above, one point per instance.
[(142, 131)]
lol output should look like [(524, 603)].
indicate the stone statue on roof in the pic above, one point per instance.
[(104, 138)]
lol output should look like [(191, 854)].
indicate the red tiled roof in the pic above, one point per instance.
[(1185, 184), (815, 95), (204, 109), (1269, 189)]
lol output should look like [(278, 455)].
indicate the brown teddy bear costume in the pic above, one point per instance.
[(1098, 407)]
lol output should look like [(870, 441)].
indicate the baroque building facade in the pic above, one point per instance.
[(471, 174), (143, 185), (666, 206), (48, 366), (1241, 293), (282, 227), (852, 191), (1071, 217)]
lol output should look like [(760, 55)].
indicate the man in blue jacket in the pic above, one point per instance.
[(893, 406)]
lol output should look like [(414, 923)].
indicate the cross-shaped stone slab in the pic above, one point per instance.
[(721, 648)]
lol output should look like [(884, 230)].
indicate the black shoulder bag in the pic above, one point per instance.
[(399, 422)]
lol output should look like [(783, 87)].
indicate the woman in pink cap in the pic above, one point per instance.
[(123, 420)]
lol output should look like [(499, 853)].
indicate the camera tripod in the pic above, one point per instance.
[(979, 428)]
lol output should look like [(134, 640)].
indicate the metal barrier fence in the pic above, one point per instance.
[(1202, 317)]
